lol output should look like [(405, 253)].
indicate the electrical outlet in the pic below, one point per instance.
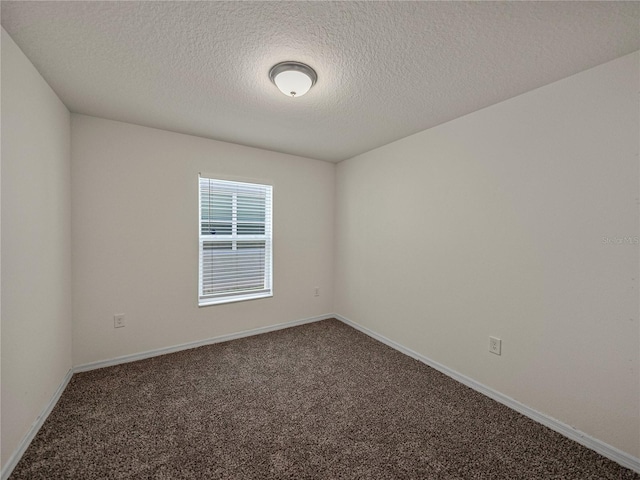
[(317, 292), (495, 345), (118, 320)]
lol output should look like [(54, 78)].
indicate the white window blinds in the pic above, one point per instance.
[(235, 241)]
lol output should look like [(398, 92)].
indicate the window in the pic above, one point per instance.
[(235, 241)]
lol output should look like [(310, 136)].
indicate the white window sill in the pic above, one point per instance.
[(205, 302)]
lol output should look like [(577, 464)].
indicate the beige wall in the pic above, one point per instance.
[(135, 243), (36, 265), (493, 224)]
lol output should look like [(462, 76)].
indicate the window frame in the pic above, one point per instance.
[(235, 238)]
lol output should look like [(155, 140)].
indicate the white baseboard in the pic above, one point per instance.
[(198, 343), (24, 444), (604, 449)]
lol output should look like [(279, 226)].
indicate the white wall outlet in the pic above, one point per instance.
[(316, 292), (118, 320), (495, 345)]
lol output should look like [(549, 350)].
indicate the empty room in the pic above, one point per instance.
[(320, 240)]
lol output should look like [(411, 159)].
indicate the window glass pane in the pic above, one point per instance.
[(216, 206), (226, 270), (247, 245), (251, 208), (216, 210), (251, 259), (251, 215), (215, 257), (213, 247), (233, 266), (212, 228), (250, 229)]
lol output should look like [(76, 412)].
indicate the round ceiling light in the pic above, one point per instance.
[(294, 79)]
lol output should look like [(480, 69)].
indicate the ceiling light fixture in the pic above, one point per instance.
[(294, 79)]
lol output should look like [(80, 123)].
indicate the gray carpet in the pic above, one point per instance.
[(319, 401)]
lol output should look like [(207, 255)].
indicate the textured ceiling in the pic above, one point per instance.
[(385, 69)]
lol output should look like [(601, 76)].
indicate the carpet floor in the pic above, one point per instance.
[(319, 401)]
